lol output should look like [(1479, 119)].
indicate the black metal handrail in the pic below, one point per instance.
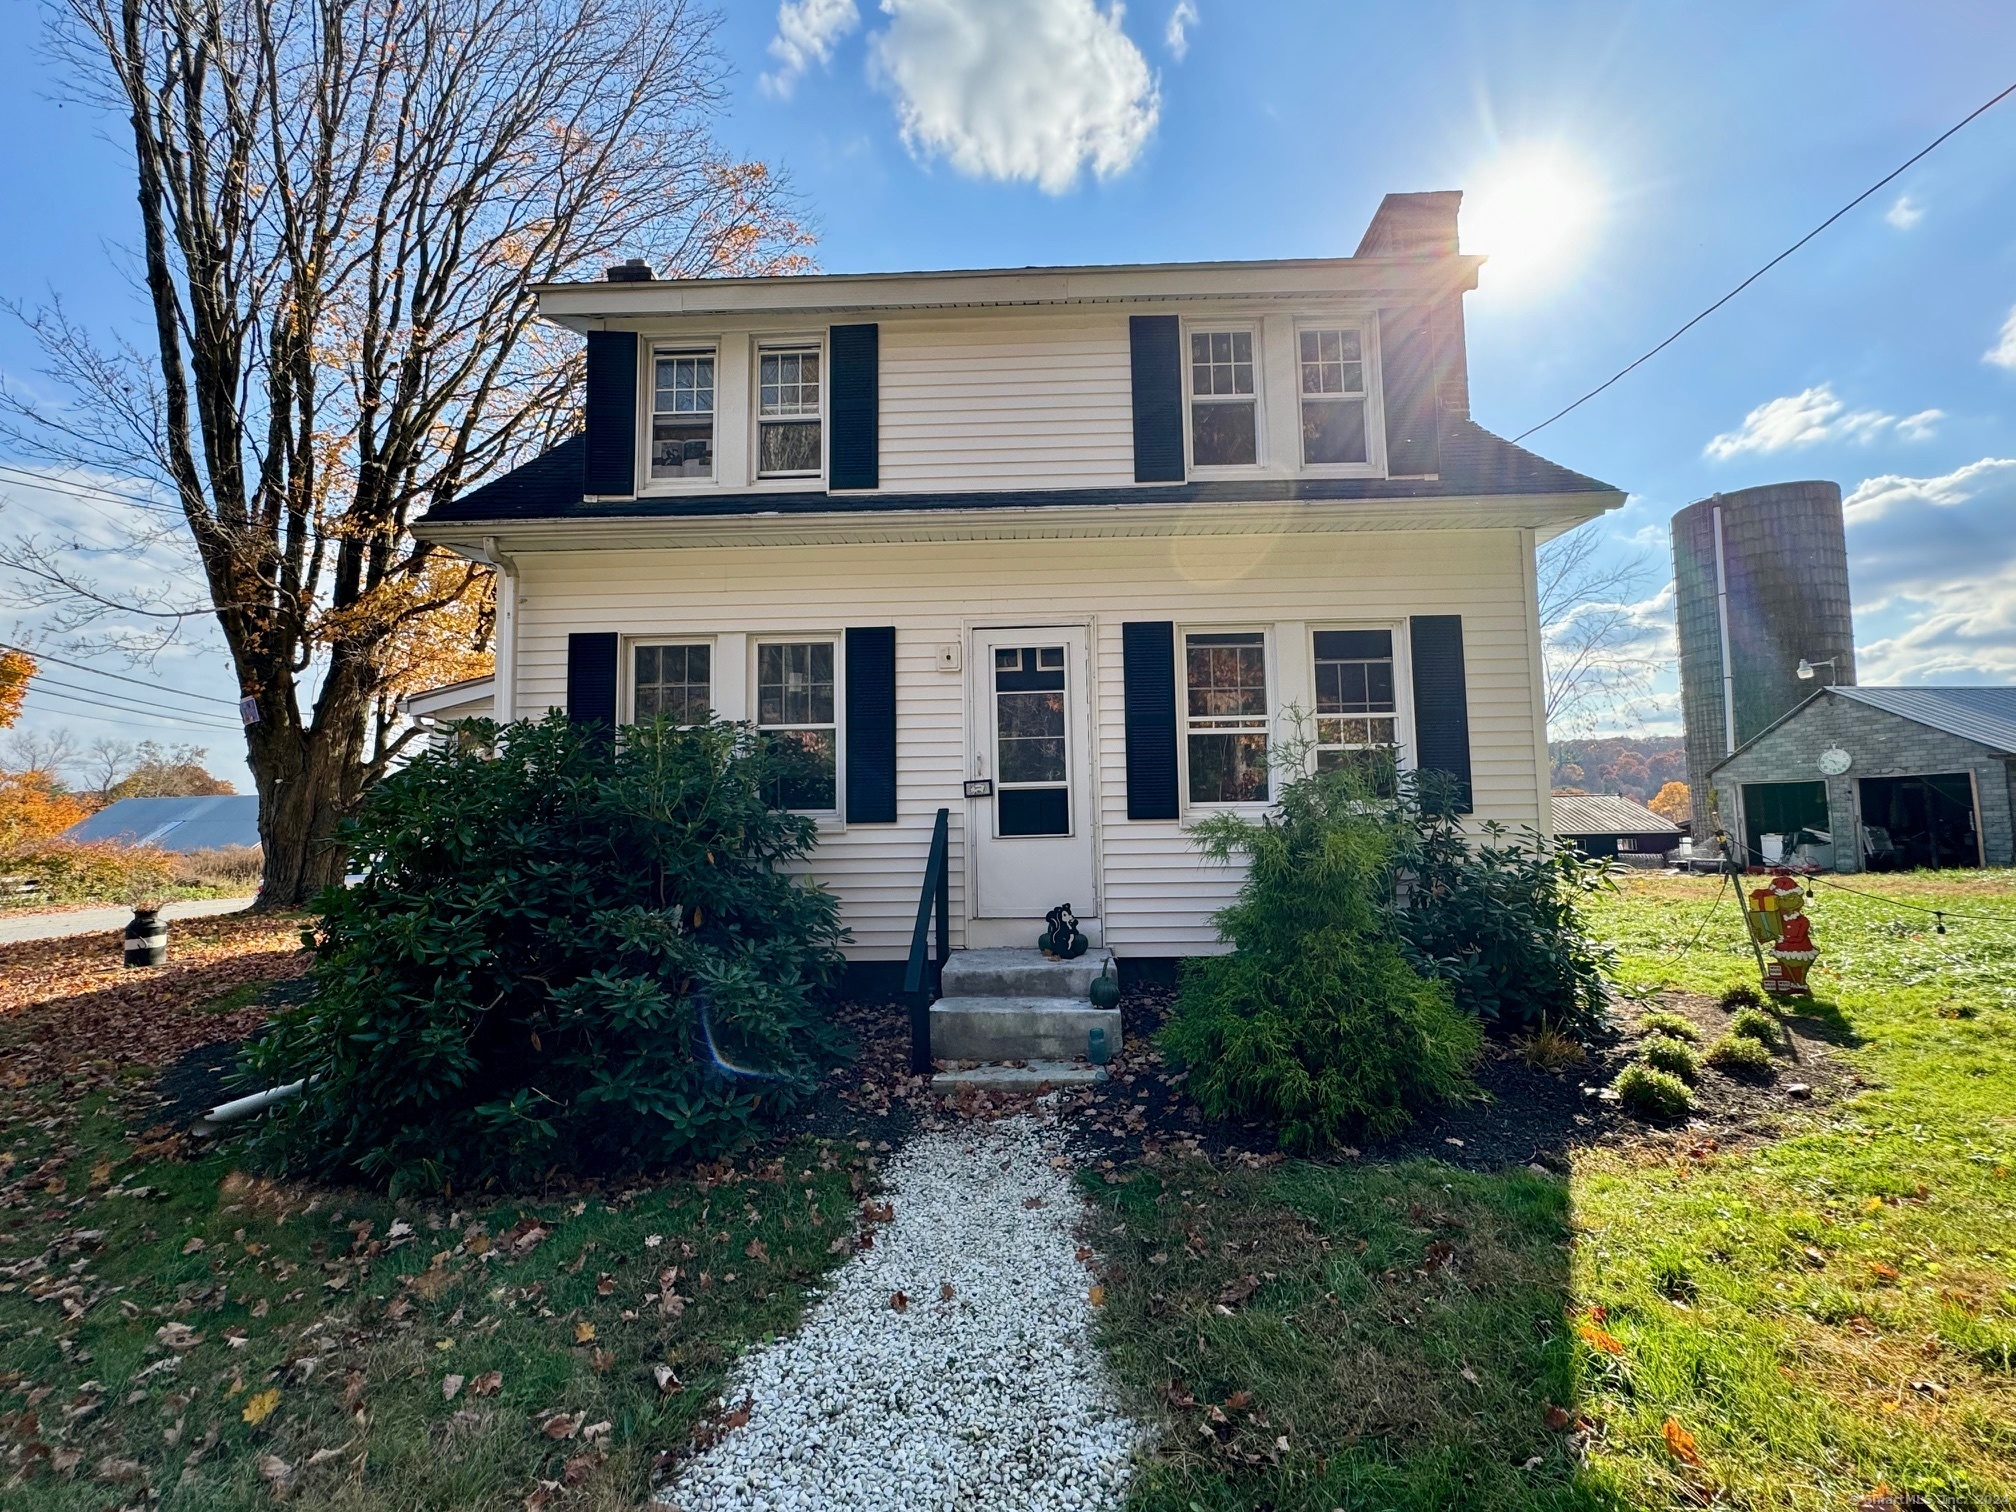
[(937, 889)]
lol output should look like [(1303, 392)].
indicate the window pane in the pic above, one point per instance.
[(788, 384), (682, 449), (1221, 362), (1333, 431), (789, 448), (809, 780), (674, 681), (794, 683), (1228, 768), (1227, 676), (1223, 435)]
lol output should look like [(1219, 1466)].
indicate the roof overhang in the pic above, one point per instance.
[(585, 306), (1547, 515)]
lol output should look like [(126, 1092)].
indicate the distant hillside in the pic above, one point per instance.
[(1636, 766)]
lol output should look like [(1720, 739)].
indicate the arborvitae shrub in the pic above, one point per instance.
[(1740, 1056), (1651, 1093), (1672, 1057), (1756, 1024), (1317, 1024), (1672, 1025), (566, 950)]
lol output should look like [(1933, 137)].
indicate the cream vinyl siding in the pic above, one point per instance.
[(1158, 893), (1015, 403)]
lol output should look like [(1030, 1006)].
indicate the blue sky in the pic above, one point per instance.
[(1683, 144)]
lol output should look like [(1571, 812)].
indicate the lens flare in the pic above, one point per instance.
[(1532, 211)]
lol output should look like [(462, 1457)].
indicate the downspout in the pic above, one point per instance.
[(240, 1107), (503, 682), (1722, 614)]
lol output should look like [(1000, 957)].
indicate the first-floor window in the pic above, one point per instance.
[(795, 708), (787, 413), (1357, 717), (1225, 678), (676, 681)]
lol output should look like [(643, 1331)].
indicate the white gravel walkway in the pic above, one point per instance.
[(993, 1398)]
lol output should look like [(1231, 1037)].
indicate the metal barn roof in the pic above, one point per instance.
[(1606, 814), (1986, 716), (176, 824)]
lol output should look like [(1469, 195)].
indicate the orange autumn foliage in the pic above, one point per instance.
[(16, 670), (34, 809), (1673, 801), (1680, 1443)]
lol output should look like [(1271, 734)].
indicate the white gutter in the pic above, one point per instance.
[(504, 674)]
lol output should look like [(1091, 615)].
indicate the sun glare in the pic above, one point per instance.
[(1531, 211)]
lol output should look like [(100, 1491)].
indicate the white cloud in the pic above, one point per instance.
[(1934, 570), (2003, 353), (807, 33), (1811, 416), (1176, 35), (1019, 90), (1905, 214)]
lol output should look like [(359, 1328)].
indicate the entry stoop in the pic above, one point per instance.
[(1004, 1006)]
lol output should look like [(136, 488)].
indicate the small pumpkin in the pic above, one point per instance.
[(1106, 987)]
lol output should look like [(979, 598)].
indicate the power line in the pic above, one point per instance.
[(229, 703), (191, 720), (77, 490), (1887, 178), (131, 701)]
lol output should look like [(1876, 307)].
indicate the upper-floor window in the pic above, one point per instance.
[(787, 412), (1357, 712), (1224, 422), (795, 705), (682, 415), (673, 680), (1332, 364), (1225, 676)]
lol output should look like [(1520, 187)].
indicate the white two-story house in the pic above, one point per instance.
[(1064, 551)]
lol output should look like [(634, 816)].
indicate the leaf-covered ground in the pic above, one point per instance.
[(176, 1333), (1806, 1302)]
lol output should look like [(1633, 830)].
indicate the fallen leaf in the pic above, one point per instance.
[(1239, 1401), (1236, 1294), (1881, 1271), (449, 1386), (259, 1406), (579, 1468), (1680, 1443), (117, 1471), (194, 1246), (604, 1284), (756, 1249), (1559, 1418), (276, 1472), (487, 1384), (1084, 1253), (668, 1382), (559, 1426), (945, 1291), (596, 1431), (1815, 1257), (178, 1336), (1599, 1339), (600, 1360), (1032, 1202), (1096, 1296), (583, 1332), (899, 1302)]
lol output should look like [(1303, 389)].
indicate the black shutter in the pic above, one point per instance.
[(853, 394), (1407, 363), (1148, 660), (871, 725), (1441, 700), (611, 412), (591, 679), (1156, 343)]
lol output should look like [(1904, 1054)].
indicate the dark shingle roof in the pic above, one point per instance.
[(1474, 463), (1606, 814)]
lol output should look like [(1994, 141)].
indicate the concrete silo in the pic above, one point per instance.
[(1760, 580)]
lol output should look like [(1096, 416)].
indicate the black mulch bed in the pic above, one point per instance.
[(1522, 1116)]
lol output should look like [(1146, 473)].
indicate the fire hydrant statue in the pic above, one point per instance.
[(1777, 918)]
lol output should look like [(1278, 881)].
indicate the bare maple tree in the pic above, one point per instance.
[(346, 207), (1594, 635)]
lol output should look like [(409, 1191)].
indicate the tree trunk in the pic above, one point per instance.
[(308, 781)]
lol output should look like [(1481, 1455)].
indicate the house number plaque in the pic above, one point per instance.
[(980, 787)]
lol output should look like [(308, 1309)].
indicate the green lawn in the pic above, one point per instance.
[(1816, 1318), (175, 1327)]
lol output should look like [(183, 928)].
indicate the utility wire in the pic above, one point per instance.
[(1887, 178), (1708, 917), (30, 479), (229, 703), (130, 700), (195, 721), (1946, 913)]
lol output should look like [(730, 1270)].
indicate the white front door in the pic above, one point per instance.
[(1032, 750)]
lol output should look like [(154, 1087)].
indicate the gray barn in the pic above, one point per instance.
[(1877, 779)]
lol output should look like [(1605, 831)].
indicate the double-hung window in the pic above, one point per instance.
[(787, 412), (676, 681), (1357, 715), (795, 708), (1224, 419), (1332, 365), (682, 415), (1225, 676)]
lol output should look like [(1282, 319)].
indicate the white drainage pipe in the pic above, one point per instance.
[(242, 1107)]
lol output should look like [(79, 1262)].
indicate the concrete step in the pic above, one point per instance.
[(1022, 973), (1030, 1076), (1018, 1028)]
